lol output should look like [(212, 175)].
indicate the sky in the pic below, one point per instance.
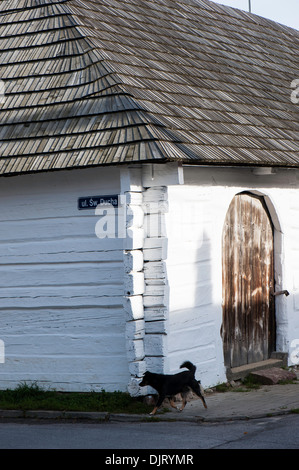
[(282, 11)]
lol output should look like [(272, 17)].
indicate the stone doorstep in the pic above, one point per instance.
[(237, 373), (273, 376)]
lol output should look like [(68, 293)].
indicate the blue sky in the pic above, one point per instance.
[(282, 11)]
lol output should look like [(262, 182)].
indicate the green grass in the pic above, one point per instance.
[(222, 388), (32, 397), (247, 384)]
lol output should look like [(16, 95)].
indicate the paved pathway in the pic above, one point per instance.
[(268, 400)]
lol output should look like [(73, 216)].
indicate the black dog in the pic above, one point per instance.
[(170, 385)]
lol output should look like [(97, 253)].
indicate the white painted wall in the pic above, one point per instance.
[(80, 313), (61, 295), (194, 225)]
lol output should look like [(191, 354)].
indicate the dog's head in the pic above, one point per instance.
[(146, 379)]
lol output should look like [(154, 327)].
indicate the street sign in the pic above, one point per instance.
[(91, 202)]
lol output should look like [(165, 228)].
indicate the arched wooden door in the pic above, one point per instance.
[(248, 328)]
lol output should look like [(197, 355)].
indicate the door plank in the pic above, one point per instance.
[(248, 328)]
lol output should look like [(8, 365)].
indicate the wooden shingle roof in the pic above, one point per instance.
[(93, 82)]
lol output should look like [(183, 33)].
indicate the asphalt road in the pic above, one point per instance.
[(269, 433)]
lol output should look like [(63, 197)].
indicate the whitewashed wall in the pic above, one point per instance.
[(194, 225), (80, 313), (61, 294)]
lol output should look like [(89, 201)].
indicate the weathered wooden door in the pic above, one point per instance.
[(248, 328)]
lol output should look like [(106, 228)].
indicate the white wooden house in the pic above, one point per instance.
[(182, 115)]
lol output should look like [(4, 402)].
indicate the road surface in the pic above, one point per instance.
[(269, 433)]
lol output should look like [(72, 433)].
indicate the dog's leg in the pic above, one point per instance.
[(196, 389), (203, 401), (184, 401), (159, 403), (154, 411), (172, 403)]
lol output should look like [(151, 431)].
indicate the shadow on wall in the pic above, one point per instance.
[(194, 318)]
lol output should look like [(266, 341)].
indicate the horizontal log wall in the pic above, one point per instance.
[(131, 189), (61, 294), (155, 276)]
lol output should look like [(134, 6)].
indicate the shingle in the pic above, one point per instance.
[(91, 82)]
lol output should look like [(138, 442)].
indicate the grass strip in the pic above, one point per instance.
[(33, 397)]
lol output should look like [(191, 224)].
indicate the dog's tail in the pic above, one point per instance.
[(189, 366)]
